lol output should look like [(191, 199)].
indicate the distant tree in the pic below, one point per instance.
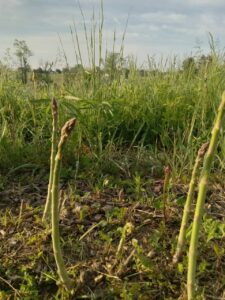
[(43, 73), (113, 63), (46, 66), (189, 65), (142, 72), (8, 59), (23, 54), (38, 70), (77, 69), (126, 72), (6, 64), (58, 71), (204, 61), (65, 70)]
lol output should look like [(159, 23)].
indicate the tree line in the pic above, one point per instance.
[(113, 65)]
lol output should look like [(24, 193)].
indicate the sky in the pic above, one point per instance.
[(155, 28)]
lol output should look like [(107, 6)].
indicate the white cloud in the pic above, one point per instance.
[(10, 4), (164, 17), (206, 2), (154, 26)]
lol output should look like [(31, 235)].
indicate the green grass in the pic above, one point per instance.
[(162, 110)]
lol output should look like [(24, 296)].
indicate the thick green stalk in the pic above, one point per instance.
[(187, 207), (47, 209), (192, 256), (65, 132)]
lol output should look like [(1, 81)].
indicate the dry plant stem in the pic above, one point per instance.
[(47, 208), (34, 84), (9, 284), (165, 191), (187, 207), (65, 132), (192, 256), (123, 265)]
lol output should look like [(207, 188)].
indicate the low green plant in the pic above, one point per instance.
[(126, 230), (143, 263)]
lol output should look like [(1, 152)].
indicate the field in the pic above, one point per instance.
[(123, 183)]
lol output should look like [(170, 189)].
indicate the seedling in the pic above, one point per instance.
[(127, 229)]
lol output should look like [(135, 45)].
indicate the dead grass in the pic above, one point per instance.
[(27, 262)]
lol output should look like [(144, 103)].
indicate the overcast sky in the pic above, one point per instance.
[(154, 27)]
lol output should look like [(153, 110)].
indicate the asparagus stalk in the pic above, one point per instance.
[(65, 132), (192, 256), (187, 207), (47, 208)]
